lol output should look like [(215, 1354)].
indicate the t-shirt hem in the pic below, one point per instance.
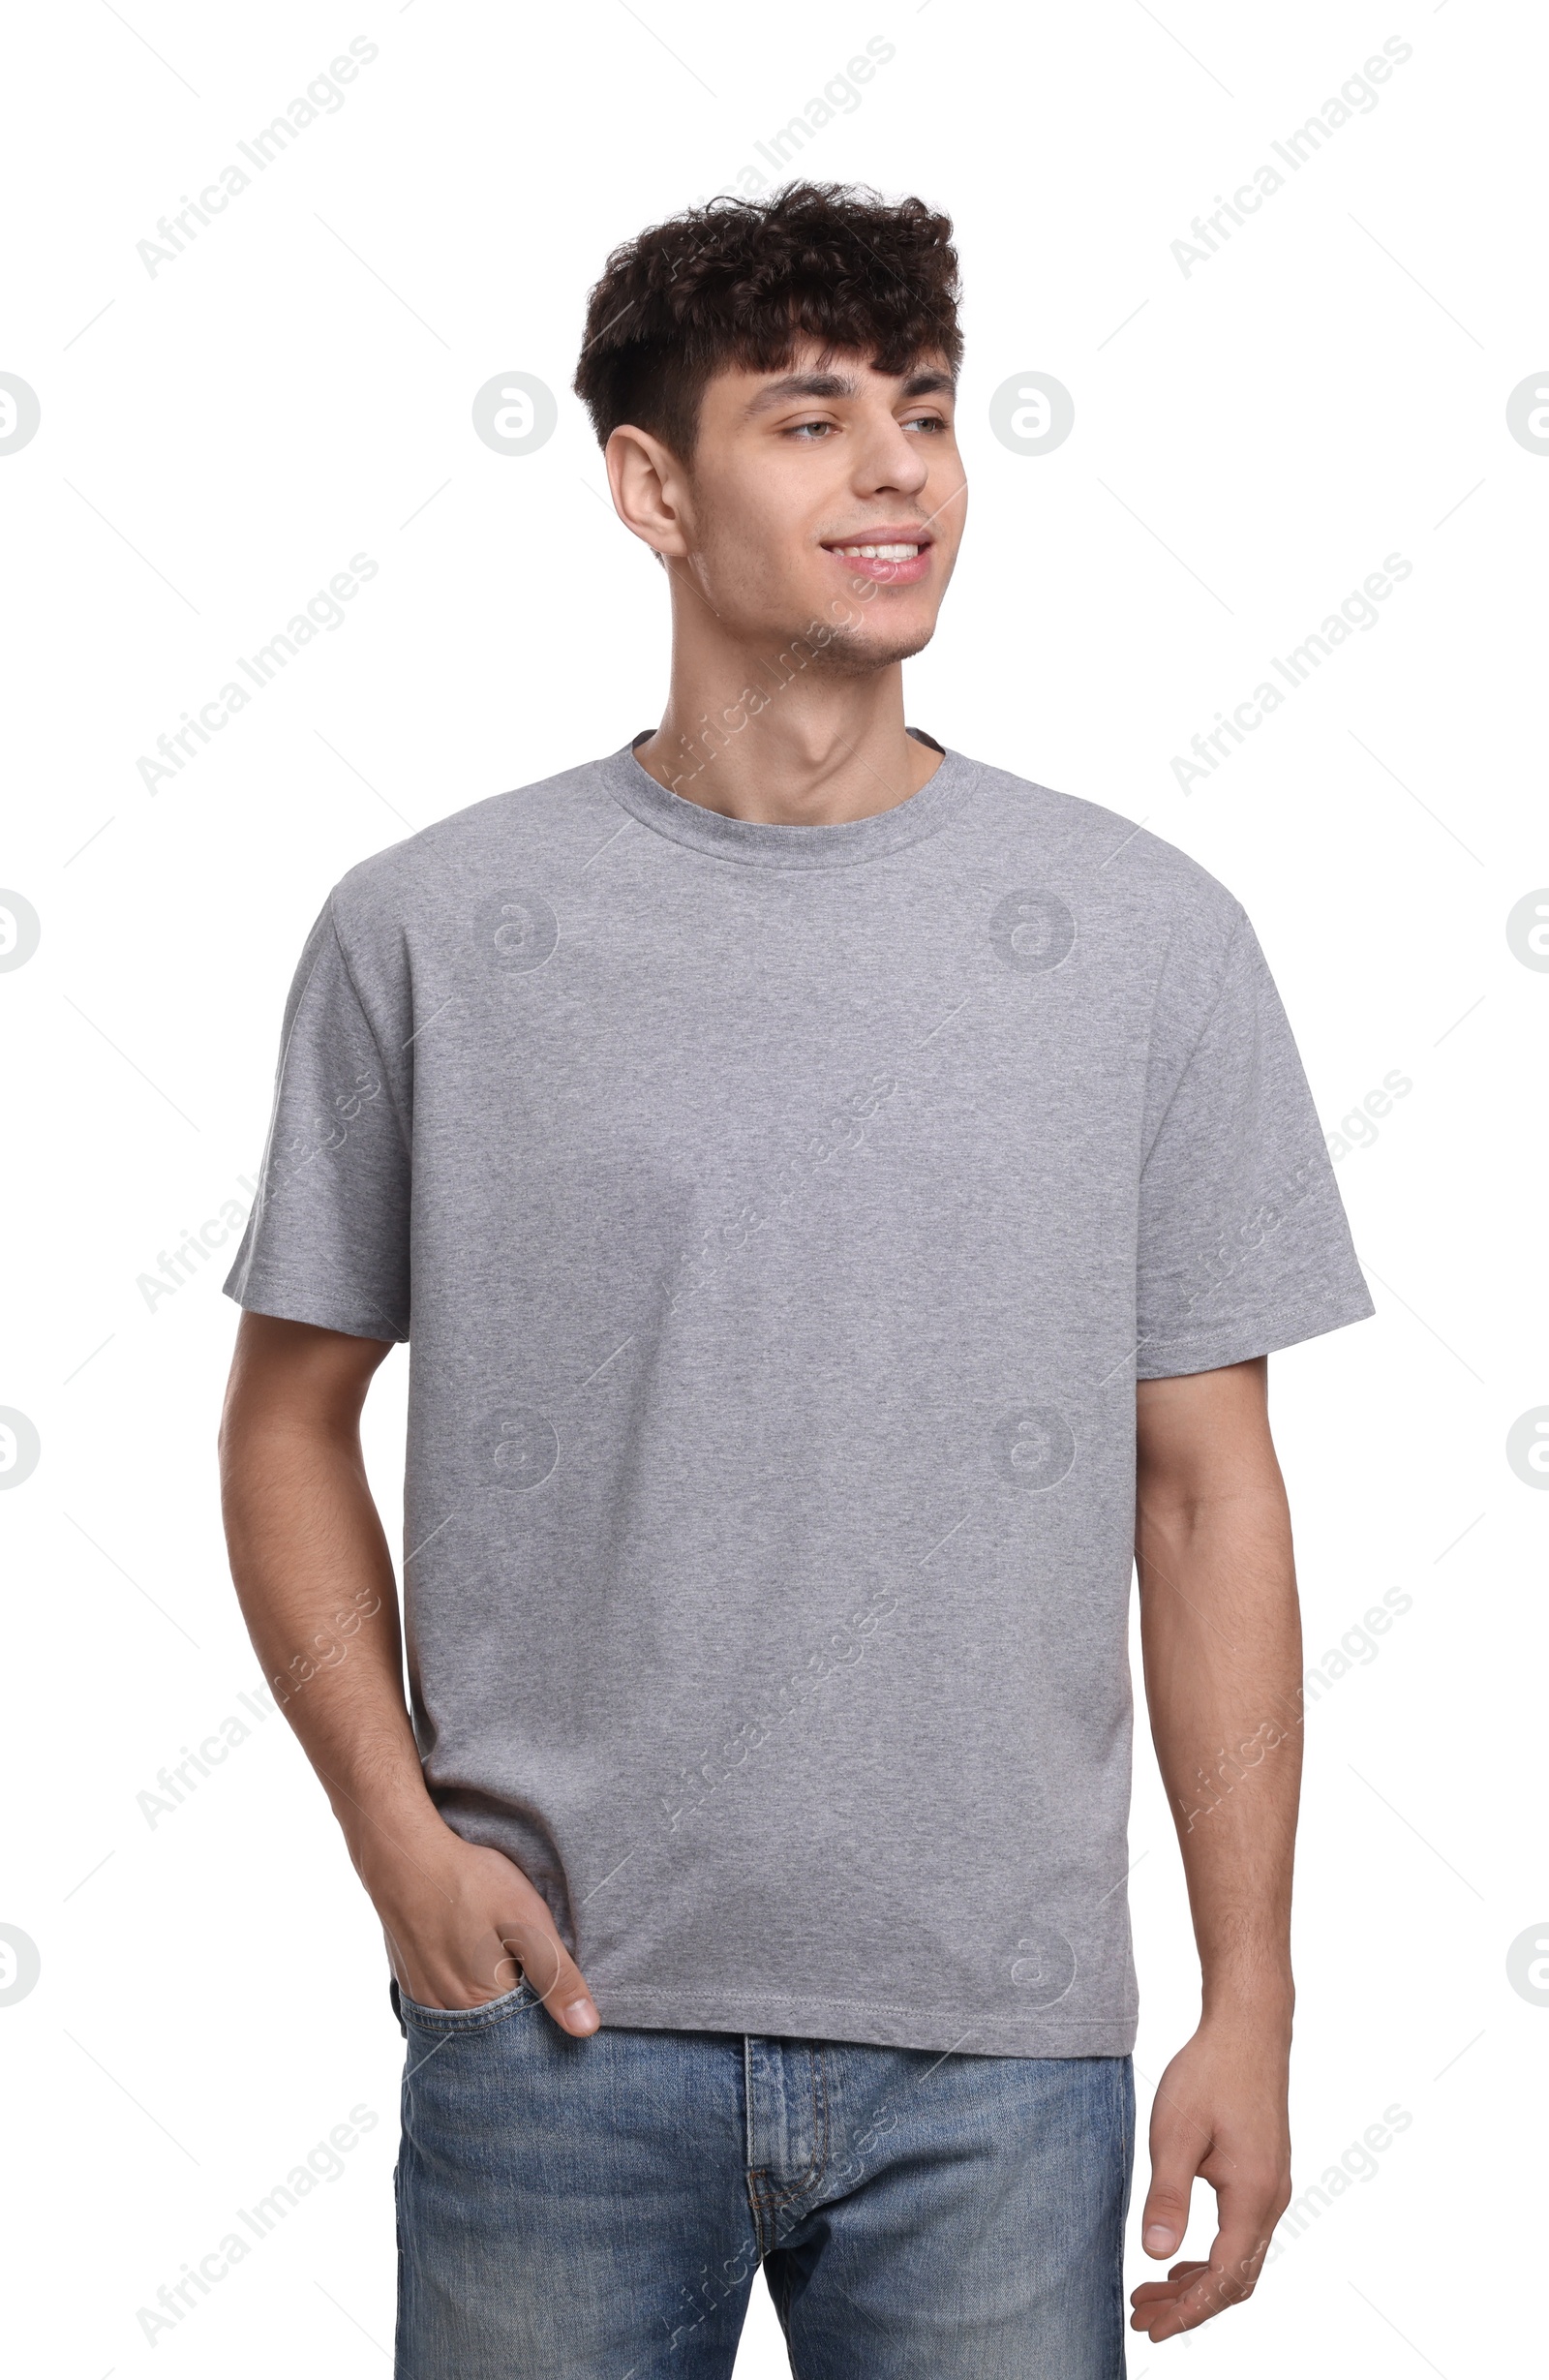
[(296, 1305), (876, 2024), (1163, 1357)]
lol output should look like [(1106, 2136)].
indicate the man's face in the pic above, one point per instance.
[(795, 470)]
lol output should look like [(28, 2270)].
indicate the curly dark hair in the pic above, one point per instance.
[(736, 282)]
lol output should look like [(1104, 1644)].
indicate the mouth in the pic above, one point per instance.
[(890, 557)]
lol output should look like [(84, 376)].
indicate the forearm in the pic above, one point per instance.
[(1222, 1644), (315, 1581), (317, 1590)]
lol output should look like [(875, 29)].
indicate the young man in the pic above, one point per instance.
[(840, 1198)]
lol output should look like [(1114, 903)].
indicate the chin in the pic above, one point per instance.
[(858, 652)]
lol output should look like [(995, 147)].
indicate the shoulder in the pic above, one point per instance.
[(1147, 915), (1133, 891), (1086, 845), (531, 836)]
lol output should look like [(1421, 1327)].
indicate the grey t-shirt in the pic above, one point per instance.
[(780, 1217)]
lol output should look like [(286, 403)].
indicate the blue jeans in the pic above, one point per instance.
[(596, 2209)]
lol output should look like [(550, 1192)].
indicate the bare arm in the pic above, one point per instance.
[(316, 1584), (1220, 1637)]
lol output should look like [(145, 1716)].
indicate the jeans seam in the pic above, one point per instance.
[(479, 2019), (817, 2164), (754, 2175), (1121, 2078)]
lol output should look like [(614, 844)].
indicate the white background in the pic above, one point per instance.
[(1251, 440)]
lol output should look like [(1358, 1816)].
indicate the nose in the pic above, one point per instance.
[(888, 460)]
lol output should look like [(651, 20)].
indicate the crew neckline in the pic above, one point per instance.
[(760, 844)]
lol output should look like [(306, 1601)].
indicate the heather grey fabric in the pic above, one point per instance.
[(779, 1218)]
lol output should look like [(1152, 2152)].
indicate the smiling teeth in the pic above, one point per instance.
[(881, 553)]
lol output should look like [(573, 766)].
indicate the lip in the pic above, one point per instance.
[(884, 573)]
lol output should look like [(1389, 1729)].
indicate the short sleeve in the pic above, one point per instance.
[(327, 1240), (1243, 1242)]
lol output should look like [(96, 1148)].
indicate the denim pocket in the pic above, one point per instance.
[(467, 2019)]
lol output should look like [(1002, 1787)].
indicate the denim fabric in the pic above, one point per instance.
[(596, 2209)]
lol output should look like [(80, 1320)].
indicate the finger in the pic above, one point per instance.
[(1165, 2292), (1177, 2145), (1236, 2256), (1196, 2304), (553, 1976), (1153, 2298)]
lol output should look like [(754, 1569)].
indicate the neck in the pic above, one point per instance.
[(778, 740)]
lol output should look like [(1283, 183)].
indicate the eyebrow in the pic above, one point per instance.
[(819, 385)]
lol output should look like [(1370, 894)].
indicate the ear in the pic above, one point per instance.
[(650, 490)]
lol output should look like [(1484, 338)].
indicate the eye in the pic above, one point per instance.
[(924, 421), (814, 429)]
